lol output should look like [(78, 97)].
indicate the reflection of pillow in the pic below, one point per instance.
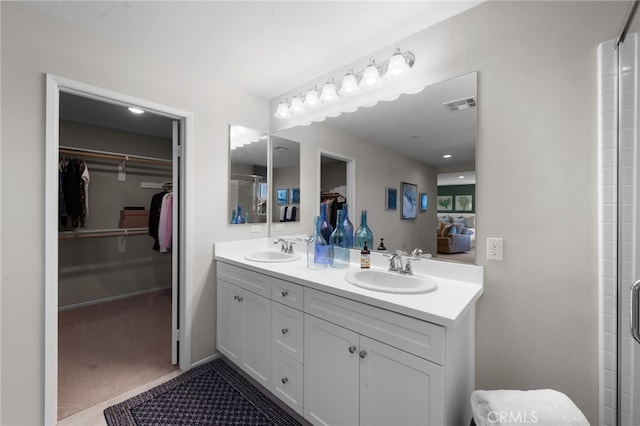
[(448, 230), (459, 220), (445, 219), (459, 227), (471, 222)]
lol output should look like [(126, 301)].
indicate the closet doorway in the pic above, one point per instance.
[(115, 278)]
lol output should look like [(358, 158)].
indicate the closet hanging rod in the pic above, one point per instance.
[(114, 156), (99, 233)]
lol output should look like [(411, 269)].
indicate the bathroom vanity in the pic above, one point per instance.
[(340, 354)]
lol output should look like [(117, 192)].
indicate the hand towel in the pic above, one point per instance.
[(514, 407)]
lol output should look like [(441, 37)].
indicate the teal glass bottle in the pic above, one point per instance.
[(311, 247), (340, 244), (363, 233), (348, 226), (322, 248)]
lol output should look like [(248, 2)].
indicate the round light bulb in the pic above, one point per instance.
[(296, 105), (282, 111), (349, 85), (329, 92), (370, 76), (397, 66), (312, 98)]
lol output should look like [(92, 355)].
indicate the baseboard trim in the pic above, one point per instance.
[(110, 298), (206, 360)]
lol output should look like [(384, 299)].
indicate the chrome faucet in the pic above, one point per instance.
[(286, 247), (396, 264)]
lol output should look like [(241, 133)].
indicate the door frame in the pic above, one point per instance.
[(55, 85), (351, 176)]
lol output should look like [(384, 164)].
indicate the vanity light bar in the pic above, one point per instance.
[(372, 76)]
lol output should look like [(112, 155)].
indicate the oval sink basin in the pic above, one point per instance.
[(391, 282), (271, 256)]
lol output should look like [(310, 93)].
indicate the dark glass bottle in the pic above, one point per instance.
[(325, 227)]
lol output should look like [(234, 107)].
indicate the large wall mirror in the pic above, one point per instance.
[(430, 141), (248, 187), (285, 166)]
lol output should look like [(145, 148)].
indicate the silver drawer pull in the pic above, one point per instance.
[(352, 349), (363, 354), (285, 293), (284, 380), (285, 330)]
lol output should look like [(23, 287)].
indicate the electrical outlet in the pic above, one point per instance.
[(495, 248)]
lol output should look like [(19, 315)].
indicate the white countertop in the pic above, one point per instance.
[(459, 285)]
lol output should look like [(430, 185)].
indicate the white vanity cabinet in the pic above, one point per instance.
[(339, 361), (244, 321), (351, 379)]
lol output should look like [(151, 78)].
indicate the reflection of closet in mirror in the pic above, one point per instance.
[(333, 184), (285, 169), (248, 189)]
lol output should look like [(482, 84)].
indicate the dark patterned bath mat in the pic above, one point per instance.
[(212, 394)]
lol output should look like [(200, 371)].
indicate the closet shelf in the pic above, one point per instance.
[(99, 233), (92, 153)]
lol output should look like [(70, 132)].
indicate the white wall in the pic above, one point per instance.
[(32, 45), (536, 182), (536, 322), (376, 169)]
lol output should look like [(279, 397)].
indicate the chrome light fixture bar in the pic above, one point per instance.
[(372, 76)]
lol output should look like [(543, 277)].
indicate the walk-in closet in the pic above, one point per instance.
[(116, 251)]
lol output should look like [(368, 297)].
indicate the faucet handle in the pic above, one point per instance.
[(290, 247)]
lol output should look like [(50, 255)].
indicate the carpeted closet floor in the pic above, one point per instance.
[(110, 348)]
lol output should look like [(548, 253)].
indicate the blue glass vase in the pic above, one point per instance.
[(339, 244), (322, 248), (325, 227), (348, 226)]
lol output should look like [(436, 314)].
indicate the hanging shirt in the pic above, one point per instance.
[(166, 222), (85, 179), (154, 217)]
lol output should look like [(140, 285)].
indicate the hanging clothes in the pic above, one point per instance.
[(165, 223), (154, 217), (73, 192)]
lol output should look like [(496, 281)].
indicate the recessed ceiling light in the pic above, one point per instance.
[(136, 110), (447, 156), (460, 177)]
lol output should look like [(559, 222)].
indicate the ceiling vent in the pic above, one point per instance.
[(460, 104)]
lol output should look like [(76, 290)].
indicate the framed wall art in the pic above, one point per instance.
[(409, 200), (391, 199), (282, 195), (423, 202)]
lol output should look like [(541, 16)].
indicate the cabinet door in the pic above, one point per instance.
[(256, 344), (330, 373), (229, 324), (397, 388)]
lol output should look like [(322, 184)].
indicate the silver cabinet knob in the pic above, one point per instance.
[(240, 299), (235, 297), (352, 349), (285, 293), (285, 330), (284, 380), (363, 354)]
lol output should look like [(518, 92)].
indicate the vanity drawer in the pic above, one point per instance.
[(287, 292), (286, 380), (286, 330), (249, 280), (412, 335)]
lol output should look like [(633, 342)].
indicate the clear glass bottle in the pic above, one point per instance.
[(311, 247), (322, 253), (363, 233), (348, 226), (233, 216), (339, 244), (325, 226)]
